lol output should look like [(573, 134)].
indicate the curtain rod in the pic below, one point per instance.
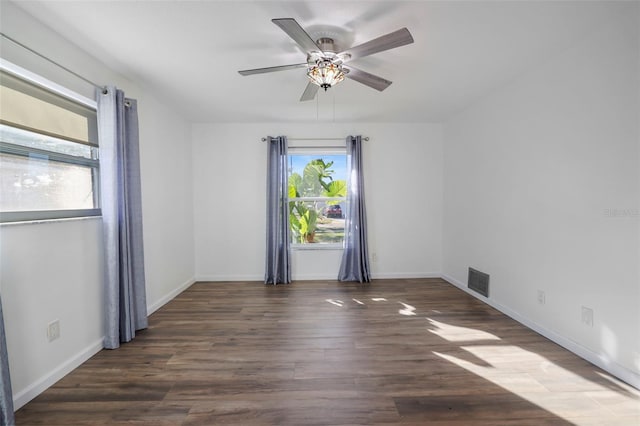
[(365, 138), (86, 80)]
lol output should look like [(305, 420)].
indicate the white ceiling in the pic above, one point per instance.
[(190, 51)]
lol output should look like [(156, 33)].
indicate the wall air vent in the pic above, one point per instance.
[(478, 282)]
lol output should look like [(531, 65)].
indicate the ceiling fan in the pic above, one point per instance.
[(326, 67)]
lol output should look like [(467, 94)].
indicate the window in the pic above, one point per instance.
[(317, 196), (48, 152)]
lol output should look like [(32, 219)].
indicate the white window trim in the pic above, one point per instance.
[(31, 77), (40, 216), (43, 221)]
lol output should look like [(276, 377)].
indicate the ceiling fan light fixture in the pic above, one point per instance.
[(325, 61), (325, 74)]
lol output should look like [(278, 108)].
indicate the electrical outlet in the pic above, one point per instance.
[(53, 330), (587, 316), (541, 297), (374, 257)]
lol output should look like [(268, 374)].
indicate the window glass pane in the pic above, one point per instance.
[(318, 175), (28, 139), (317, 194), (27, 105), (31, 183), (318, 221)]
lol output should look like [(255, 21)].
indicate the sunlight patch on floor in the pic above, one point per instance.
[(408, 310), (499, 365), (454, 333), (627, 387)]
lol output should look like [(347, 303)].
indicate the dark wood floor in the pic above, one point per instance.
[(415, 351)]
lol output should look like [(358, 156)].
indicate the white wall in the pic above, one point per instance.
[(167, 200), (533, 174), (50, 272), (400, 160), (53, 270)]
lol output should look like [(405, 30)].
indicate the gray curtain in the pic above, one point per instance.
[(355, 259), (6, 396), (125, 299), (278, 267)]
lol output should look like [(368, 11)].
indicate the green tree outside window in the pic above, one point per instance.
[(316, 182)]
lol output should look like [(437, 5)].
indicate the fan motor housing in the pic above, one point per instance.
[(326, 44), (327, 53)]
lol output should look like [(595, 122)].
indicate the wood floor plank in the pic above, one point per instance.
[(393, 352)]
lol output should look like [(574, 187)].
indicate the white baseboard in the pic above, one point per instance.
[(316, 277), (233, 278), (597, 359), (169, 296), (405, 275), (260, 278), (223, 278), (22, 397), (375, 276)]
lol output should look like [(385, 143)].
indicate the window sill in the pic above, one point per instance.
[(42, 221), (303, 247)]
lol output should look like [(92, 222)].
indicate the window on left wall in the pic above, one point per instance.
[(49, 166)]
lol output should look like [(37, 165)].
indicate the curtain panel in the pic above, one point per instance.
[(6, 396), (355, 258), (278, 253), (121, 204)]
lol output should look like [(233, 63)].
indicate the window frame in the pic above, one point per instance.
[(320, 152), (52, 156)]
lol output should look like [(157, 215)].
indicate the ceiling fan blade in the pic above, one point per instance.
[(367, 79), (310, 92), (272, 69), (297, 33), (380, 44)]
